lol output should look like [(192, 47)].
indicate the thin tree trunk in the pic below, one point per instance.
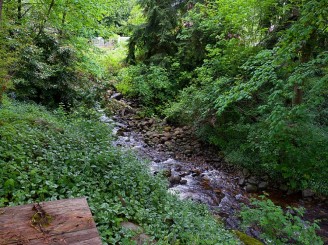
[(305, 57), (1, 2), (19, 11), (46, 17), (61, 31)]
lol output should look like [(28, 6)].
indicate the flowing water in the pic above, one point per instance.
[(203, 183)]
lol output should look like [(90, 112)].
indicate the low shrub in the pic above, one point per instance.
[(278, 226), (48, 156)]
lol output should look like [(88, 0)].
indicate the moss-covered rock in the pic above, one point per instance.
[(246, 239)]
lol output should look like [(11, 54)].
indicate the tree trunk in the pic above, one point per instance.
[(19, 11), (305, 57), (46, 17), (61, 31), (1, 2)]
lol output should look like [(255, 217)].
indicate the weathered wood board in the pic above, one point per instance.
[(70, 222)]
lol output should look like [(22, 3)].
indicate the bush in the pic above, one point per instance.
[(151, 85), (53, 70), (280, 227), (48, 156)]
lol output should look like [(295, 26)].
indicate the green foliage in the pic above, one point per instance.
[(280, 227), (113, 60), (46, 73), (150, 84), (48, 156), (45, 50), (263, 107), (157, 36), (53, 71)]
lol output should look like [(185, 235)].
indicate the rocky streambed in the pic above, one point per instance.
[(198, 172)]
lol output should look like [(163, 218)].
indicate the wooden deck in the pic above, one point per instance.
[(55, 223)]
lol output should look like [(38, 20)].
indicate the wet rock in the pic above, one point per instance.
[(183, 182), (175, 179), (241, 181), (265, 178), (128, 110), (239, 197), (184, 174), (177, 132), (167, 129), (246, 173), (164, 139), (188, 152), (232, 222), (253, 180), (117, 96), (169, 161), (168, 144), (250, 188), (307, 193), (263, 185), (155, 140), (195, 172), (226, 206), (120, 132), (167, 135), (283, 187)]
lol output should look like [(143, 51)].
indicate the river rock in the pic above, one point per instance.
[(175, 179), (183, 182), (168, 144), (155, 140), (283, 187), (246, 173), (265, 178), (195, 172), (307, 193), (167, 129), (253, 180), (177, 131), (151, 121), (263, 185), (167, 135), (241, 181), (117, 96), (121, 131), (251, 188)]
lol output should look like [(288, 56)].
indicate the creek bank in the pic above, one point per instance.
[(198, 172)]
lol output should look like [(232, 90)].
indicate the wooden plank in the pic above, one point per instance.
[(71, 222)]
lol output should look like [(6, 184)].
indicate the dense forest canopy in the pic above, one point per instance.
[(250, 77)]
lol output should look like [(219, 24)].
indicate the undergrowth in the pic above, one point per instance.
[(49, 156)]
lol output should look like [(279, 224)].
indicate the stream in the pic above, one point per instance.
[(195, 179)]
